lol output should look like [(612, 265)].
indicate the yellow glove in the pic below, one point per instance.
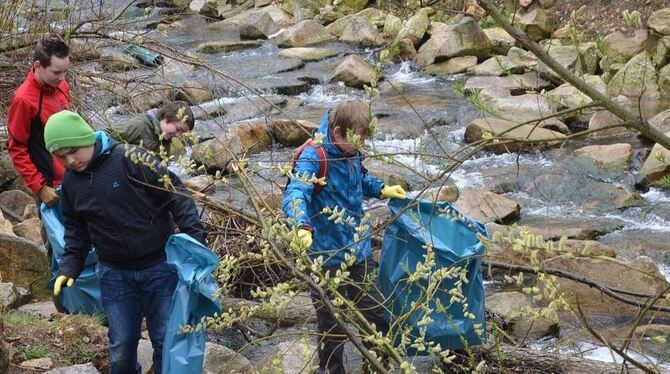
[(393, 192), (62, 279), (305, 238)]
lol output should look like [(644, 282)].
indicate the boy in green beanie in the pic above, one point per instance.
[(121, 207)]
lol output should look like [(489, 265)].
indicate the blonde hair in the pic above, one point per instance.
[(352, 114)]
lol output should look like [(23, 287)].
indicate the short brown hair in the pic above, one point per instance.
[(52, 45), (170, 113), (351, 114)]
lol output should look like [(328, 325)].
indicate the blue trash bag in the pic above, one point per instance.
[(84, 295), (183, 353), (455, 243)]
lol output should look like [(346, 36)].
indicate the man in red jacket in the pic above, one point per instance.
[(43, 93)]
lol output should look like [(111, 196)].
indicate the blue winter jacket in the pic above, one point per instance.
[(347, 183)]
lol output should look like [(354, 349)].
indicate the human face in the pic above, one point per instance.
[(344, 144), (172, 129), (53, 74), (76, 159)]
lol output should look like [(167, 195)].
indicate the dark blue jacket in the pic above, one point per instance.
[(347, 183), (127, 222)]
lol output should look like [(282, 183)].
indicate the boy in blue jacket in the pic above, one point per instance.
[(121, 208), (347, 183)]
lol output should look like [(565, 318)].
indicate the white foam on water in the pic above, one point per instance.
[(655, 195), (404, 151), (665, 270), (319, 94), (406, 75)]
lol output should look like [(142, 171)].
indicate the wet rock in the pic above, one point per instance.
[(613, 158), (289, 358), (402, 50), (308, 53), (359, 31), (525, 108), (414, 28), (661, 55), (255, 24), (75, 369), (292, 133), (222, 360), (237, 109), (619, 47), (88, 368), (631, 276), (538, 24), (300, 310), (462, 39), (355, 72), (656, 166), (485, 206), (43, 309), (193, 92), (571, 227), (16, 201), (40, 364), (304, 34), (659, 21), (173, 70), (517, 84), (29, 229), (637, 78), (661, 121), (514, 308), (452, 66), (589, 194), (392, 25), (226, 46), (567, 96), (22, 261), (501, 41), (508, 130), (643, 241), (497, 66)]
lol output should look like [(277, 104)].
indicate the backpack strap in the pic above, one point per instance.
[(323, 161)]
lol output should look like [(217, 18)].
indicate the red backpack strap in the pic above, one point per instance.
[(323, 161)]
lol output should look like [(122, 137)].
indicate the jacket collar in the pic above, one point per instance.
[(32, 78)]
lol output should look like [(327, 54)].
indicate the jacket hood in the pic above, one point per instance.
[(152, 114), (328, 144), (32, 78)]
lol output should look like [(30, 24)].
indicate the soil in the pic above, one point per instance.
[(66, 339)]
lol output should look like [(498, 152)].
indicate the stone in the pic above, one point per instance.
[(661, 121), (402, 50), (656, 166), (374, 16), (497, 66), (307, 53), (299, 310), (44, 309), (201, 183), (619, 47), (508, 130), (414, 28), (22, 261), (526, 108), (538, 24), (347, 6), (602, 119), (30, 229), (255, 24), (6, 225), (75, 369), (30, 211), (222, 360), (664, 81), (388, 177), (360, 32), (516, 84), (464, 38), (328, 15), (304, 34), (226, 46), (209, 8), (613, 158), (447, 194), (490, 93), (591, 56), (41, 364), (292, 133), (145, 353), (501, 41), (293, 357), (567, 96), (485, 206), (638, 78), (514, 308), (278, 15), (193, 92), (520, 57), (452, 66), (338, 26), (567, 56), (661, 55), (392, 25), (10, 297), (659, 21), (84, 49), (652, 330), (355, 72), (116, 61), (16, 201), (245, 137)]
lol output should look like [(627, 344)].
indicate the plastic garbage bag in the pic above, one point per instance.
[(455, 243), (84, 295), (183, 353)]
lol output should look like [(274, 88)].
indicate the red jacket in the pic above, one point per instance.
[(27, 115)]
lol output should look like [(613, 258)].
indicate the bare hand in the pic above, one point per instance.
[(48, 195)]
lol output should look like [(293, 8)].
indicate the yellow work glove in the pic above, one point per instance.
[(305, 238), (62, 279), (393, 192)]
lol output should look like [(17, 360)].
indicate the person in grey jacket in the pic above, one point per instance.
[(122, 208), (156, 127)]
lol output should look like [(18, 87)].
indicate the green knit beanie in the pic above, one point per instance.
[(67, 129)]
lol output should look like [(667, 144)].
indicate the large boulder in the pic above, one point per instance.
[(392, 25), (452, 66), (485, 206), (414, 28), (374, 16), (661, 121), (6, 225), (359, 31), (279, 15), (501, 41), (245, 137), (603, 119), (661, 56), (619, 48), (292, 133), (516, 84), (613, 158), (88, 368), (16, 201), (525, 108), (305, 33), (336, 27), (464, 38), (223, 360), (23, 262), (193, 92), (637, 78), (29, 229), (355, 72), (307, 53), (497, 66), (656, 166), (567, 96), (567, 56), (659, 21), (538, 23), (255, 24), (664, 81), (402, 50), (511, 133), (521, 57), (514, 308)]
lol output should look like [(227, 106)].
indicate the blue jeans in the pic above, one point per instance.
[(127, 296)]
